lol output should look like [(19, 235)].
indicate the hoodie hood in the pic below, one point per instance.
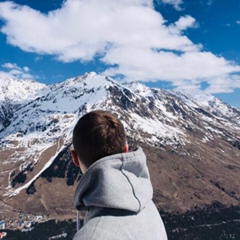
[(119, 181)]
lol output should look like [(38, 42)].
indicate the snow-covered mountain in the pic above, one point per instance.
[(186, 138)]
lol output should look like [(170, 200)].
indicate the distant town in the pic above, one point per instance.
[(24, 222)]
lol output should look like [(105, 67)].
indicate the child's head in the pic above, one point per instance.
[(96, 135)]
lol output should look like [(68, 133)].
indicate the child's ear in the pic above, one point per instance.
[(126, 148), (75, 158)]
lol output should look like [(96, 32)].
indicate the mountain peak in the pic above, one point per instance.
[(180, 133), (19, 89), (89, 75)]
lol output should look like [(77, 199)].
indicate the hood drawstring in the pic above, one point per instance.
[(78, 221)]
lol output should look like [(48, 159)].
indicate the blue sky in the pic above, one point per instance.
[(186, 45)]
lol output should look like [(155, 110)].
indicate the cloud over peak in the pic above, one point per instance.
[(14, 71), (129, 36)]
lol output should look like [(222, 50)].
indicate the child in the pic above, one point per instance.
[(115, 188)]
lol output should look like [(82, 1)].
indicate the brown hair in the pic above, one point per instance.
[(96, 135)]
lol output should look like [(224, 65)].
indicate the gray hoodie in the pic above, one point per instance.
[(117, 192)]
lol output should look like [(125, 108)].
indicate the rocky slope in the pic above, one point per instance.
[(192, 143)]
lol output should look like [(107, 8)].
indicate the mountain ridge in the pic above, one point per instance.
[(184, 139)]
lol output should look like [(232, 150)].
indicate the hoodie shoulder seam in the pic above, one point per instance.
[(134, 194)]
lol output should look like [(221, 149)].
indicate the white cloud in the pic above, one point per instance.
[(81, 29), (225, 84), (26, 69), (185, 22), (238, 21), (10, 65), (190, 67), (128, 35), (175, 3), (14, 71)]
